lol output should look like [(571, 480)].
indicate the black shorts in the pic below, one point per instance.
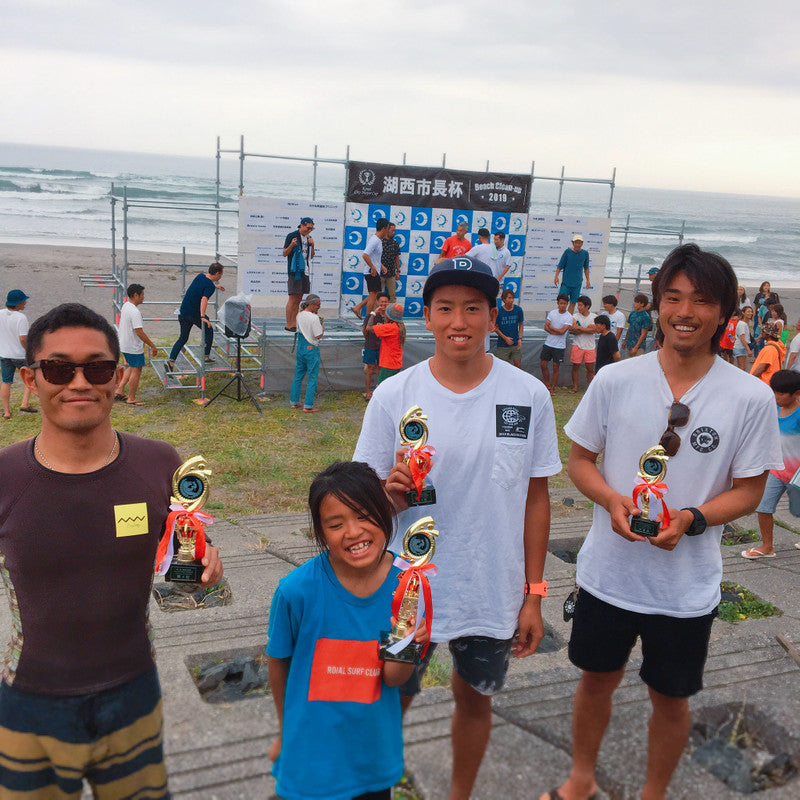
[(674, 649), (555, 354), (301, 286), (373, 283)]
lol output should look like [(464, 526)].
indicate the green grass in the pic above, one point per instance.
[(261, 463), (439, 673), (751, 607)]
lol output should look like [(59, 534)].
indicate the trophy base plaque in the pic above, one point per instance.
[(185, 571), (427, 497), (408, 655), (645, 527)]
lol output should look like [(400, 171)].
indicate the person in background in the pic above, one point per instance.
[(132, 340), (574, 264), (616, 317), (741, 297), (372, 344), (778, 316), (558, 322), (728, 338), (639, 323), (456, 245), (607, 345), (583, 344), (770, 359), (786, 385), (794, 348), (741, 347), (13, 338), (310, 329), (508, 327), (297, 261), (392, 334), (193, 312), (373, 268), (390, 263)]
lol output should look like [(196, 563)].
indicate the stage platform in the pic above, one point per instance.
[(268, 356)]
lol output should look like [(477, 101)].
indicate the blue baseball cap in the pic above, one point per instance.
[(462, 271), (652, 271), (15, 297), (306, 221)]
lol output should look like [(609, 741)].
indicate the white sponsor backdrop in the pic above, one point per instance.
[(547, 239), (264, 223)]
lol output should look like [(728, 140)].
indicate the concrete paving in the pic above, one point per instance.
[(219, 751)]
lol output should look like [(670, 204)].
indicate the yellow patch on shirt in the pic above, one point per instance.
[(131, 519)]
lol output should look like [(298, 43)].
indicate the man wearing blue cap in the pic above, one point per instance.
[(298, 249), (13, 337), (493, 430)]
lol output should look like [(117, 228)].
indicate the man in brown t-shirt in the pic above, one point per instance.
[(81, 512)]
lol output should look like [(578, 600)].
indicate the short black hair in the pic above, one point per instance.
[(383, 294), (710, 274), (507, 290), (587, 301), (611, 300), (604, 320), (785, 380), (135, 288), (640, 298), (358, 486), (69, 315), (500, 234), (483, 232), (215, 269), (381, 224), (562, 296)]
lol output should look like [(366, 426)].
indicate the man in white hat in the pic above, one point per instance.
[(574, 263)]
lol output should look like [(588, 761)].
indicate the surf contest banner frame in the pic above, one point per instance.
[(426, 204)]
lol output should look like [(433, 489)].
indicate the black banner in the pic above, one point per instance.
[(434, 187)]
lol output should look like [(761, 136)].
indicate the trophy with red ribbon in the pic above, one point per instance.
[(185, 526), (652, 471), (412, 598), (419, 456)]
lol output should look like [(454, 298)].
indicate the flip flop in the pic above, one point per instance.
[(29, 409), (134, 403), (310, 410), (120, 397), (797, 545), (554, 794), (6, 416), (752, 554)]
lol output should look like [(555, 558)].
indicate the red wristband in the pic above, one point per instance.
[(536, 588)]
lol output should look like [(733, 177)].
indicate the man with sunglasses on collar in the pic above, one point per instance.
[(662, 588), (81, 513)]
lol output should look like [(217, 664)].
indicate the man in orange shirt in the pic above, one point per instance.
[(392, 334), (771, 357), (457, 244)]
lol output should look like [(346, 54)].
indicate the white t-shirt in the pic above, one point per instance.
[(585, 341), (374, 250), (309, 324), (489, 442), (130, 318), (558, 320), (617, 321), (794, 347), (743, 329), (732, 433), (13, 324), (492, 257)]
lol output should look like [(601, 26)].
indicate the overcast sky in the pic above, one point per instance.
[(700, 95)]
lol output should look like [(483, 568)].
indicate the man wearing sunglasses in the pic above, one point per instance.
[(81, 513), (662, 589)]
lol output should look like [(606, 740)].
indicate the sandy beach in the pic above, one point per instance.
[(51, 274)]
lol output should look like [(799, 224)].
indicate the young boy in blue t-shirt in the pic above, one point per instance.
[(639, 322), (508, 327)]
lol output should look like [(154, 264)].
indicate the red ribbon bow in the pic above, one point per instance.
[(420, 463), (399, 593), (177, 517), (658, 490)]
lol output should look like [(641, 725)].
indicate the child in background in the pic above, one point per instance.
[(392, 335), (508, 326), (338, 704), (727, 339), (583, 344), (741, 347), (607, 347), (778, 316), (616, 317), (639, 322), (558, 322), (786, 385), (372, 344)]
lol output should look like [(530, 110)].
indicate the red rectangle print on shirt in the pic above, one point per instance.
[(345, 670)]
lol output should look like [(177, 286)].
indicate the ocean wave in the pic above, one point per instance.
[(64, 173), (134, 192), (10, 186)]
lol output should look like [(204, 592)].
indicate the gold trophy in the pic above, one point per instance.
[(190, 488), (652, 471), (419, 456), (419, 545)]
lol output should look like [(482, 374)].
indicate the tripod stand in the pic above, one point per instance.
[(238, 379)]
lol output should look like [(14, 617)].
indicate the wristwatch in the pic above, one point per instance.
[(536, 588), (699, 523)]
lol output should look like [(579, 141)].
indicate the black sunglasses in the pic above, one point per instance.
[(61, 372), (678, 417)]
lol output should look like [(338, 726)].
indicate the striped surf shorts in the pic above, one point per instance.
[(113, 739)]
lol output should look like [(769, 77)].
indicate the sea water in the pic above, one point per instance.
[(53, 195)]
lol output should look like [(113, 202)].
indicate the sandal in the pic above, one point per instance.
[(120, 397), (554, 794), (29, 409), (134, 403), (753, 553)]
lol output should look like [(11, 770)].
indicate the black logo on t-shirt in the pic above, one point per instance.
[(513, 422), (704, 439)]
